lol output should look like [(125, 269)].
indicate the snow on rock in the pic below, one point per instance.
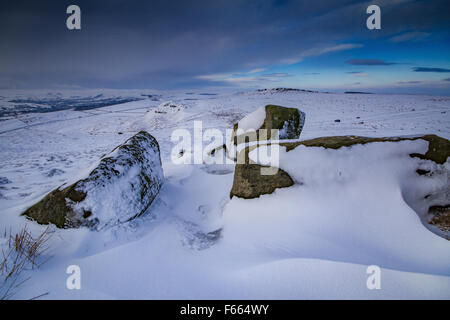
[(438, 148), (253, 120), (289, 122), (120, 187), (348, 206), (429, 198)]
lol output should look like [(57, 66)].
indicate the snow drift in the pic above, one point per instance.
[(423, 184)]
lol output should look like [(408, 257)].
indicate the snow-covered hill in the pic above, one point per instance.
[(314, 244)]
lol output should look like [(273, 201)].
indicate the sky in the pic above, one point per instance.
[(211, 44)]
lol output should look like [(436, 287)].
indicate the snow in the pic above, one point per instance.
[(157, 117), (356, 207), (254, 120), (343, 198), (113, 190)]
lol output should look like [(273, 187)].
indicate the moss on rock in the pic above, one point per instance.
[(249, 183), (53, 208), (289, 122), (438, 147)]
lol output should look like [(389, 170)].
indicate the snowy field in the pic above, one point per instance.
[(312, 240)]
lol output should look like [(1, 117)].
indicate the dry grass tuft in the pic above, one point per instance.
[(20, 251)]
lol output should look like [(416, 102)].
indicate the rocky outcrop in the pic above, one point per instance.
[(289, 122), (249, 183), (120, 187)]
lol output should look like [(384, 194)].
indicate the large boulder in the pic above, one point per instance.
[(257, 126), (429, 197), (289, 122), (119, 188), (249, 182)]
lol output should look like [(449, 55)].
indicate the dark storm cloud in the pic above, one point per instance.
[(425, 69), (369, 62), (166, 44), (409, 82)]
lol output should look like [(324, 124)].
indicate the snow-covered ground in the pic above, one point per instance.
[(299, 242)]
